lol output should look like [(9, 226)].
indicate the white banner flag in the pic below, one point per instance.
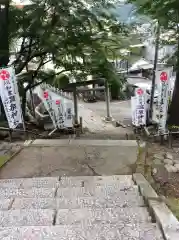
[(59, 107), (141, 107), (63, 110), (48, 103), (163, 78), (133, 109), (10, 97), (69, 114), (59, 112)]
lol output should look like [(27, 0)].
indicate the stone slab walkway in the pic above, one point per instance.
[(72, 157), (99, 128)]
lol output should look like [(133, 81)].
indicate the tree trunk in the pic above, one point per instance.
[(4, 42), (24, 100), (2, 111), (173, 119), (32, 102)]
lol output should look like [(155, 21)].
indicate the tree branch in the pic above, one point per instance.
[(20, 52), (23, 64), (40, 65), (34, 74), (28, 59), (38, 68), (45, 79)]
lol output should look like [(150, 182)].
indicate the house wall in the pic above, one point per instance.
[(149, 51)]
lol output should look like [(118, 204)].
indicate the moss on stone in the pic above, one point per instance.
[(4, 159), (173, 204)]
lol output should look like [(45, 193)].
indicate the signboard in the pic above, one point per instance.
[(10, 97), (163, 98)]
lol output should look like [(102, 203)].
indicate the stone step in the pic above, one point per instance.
[(46, 217), (78, 202), (107, 215), (34, 203), (106, 191), (68, 192), (27, 193), (41, 182), (105, 232), (92, 181), (27, 217), (99, 202), (79, 181), (6, 204), (100, 191)]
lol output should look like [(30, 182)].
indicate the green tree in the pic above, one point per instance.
[(68, 33)]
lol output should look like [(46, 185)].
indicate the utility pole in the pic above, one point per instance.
[(157, 43)]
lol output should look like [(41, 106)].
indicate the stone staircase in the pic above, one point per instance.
[(74, 208)]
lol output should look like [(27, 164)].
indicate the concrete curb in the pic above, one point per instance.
[(49, 143), (163, 215), (82, 142)]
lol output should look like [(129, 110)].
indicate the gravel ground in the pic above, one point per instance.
[(158, 166)]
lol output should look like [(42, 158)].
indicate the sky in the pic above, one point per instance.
[(21, 2)]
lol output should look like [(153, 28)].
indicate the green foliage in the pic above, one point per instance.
[(165, 11), (116, 87), (69, 33), (61, 81)]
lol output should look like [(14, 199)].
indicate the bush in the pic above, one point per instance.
[(116, 88)]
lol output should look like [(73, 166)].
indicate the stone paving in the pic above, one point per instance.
[(74, 208), (120, 110), (72, 157), (94, 122)]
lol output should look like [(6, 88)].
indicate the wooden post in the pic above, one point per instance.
[(107, 92), (170, 140), (94, 92), (162, 139), (81, 125), (77, 132), (10, 134)]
